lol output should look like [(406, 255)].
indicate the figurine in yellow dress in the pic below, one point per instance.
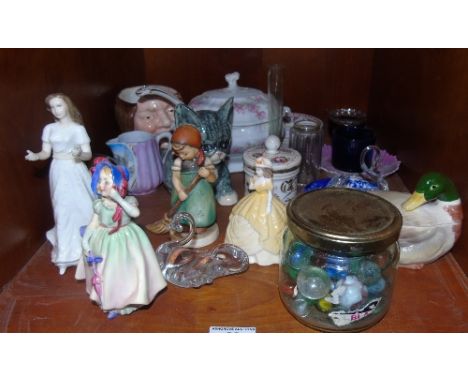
[(258, 221)]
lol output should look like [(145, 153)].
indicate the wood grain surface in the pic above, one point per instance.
[(416, 100), (39, 300)]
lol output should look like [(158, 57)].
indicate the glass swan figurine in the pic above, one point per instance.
[(192, 268)]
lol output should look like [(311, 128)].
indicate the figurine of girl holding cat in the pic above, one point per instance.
[(120, 266), (69, 179), (192, 167)]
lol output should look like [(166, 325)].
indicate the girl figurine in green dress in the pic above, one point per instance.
[(192, 167), (119, 264)]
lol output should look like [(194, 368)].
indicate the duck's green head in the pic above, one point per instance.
[(431, 186)]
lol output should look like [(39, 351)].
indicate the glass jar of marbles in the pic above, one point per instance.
[(339, 259)]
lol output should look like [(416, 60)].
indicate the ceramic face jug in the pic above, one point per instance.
[(147, 108), (139, 152)]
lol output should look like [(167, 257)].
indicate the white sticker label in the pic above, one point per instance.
[(342, 317), (233, 329)]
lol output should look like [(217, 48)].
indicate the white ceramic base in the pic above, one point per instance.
[(228, 200), (62, 267), (235, 163)]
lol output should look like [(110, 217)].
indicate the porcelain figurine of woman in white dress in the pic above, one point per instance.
[(69, 179)]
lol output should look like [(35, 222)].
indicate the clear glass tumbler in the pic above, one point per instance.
[(307, 139)]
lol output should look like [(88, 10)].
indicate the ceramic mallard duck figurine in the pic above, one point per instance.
[(432, 219)]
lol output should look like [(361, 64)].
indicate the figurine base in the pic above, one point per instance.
[(235, 163), (201, 238), (228, 199), (62, 267), (264, 258)]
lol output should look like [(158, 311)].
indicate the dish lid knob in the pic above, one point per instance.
[(232, 79), (272, 144)]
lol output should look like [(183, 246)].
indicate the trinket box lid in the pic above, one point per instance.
[(340, 219), (250, 105), (282, 160)]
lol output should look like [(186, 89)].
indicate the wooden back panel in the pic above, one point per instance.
[(416, 101), (315, 80), (419, 106), (92, 78)]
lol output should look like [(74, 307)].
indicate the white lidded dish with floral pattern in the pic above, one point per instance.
[(251, 120)]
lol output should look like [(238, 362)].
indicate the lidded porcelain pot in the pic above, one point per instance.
[(285, 165), (339, 259), (251, 121)]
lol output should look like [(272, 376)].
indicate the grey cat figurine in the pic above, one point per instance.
[(215, 127)]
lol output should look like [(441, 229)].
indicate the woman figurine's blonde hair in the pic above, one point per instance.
[(73, 111), (266, 166)]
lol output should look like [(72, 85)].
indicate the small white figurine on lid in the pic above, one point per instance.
[(258, 221), (122, 272), (69, 179)]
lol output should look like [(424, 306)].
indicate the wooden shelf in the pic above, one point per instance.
[(433, 299)]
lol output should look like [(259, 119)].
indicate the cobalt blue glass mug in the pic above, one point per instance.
[(350, 135)]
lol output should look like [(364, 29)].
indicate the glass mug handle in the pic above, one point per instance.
[(372, 170)]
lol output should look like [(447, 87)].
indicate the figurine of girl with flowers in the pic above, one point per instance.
[(119, 264)]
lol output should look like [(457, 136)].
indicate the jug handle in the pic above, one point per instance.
[(164, 134)]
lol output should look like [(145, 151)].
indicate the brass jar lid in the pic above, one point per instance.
[(345, 220)]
